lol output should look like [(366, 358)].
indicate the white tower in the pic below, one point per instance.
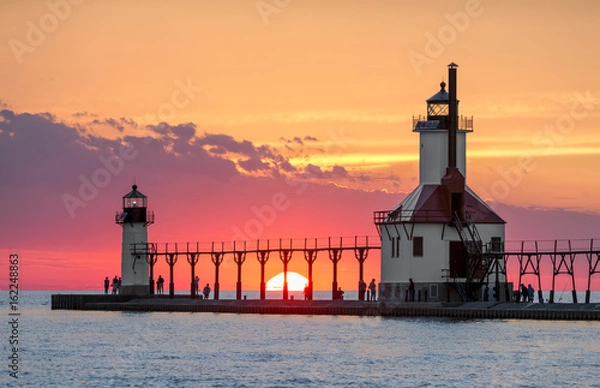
[(433, 133), (134, 219)]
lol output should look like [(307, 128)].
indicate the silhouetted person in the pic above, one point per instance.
[(115, 285), (196, 285), (340, 293), (206, 291), (373, 290), (362, 289), (486, 294), (160, 283), (524, 292), (530, 293), (106, 285), (306, 292), (119, 285), (411, 290)]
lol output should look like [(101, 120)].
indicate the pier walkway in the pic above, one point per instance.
[(474, 310)]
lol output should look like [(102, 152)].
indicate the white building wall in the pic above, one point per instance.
[(427, 268), (433, 155), (389, 265), (433, 265), (461, 152), (134, 274)]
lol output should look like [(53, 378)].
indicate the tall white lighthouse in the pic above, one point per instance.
[(438, 244), (134, 220)]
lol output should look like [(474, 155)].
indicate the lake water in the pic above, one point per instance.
[(119, 349)]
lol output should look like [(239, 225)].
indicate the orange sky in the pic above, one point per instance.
[(350, 74)]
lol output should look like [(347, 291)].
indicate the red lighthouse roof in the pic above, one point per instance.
[(427, 203)]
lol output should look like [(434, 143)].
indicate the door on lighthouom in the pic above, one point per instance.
[(458, 260)]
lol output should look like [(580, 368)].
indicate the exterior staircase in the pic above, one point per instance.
[(476, 265)]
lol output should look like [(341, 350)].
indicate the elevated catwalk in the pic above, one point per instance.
[(559, 257), (262, 250), (568, 259)]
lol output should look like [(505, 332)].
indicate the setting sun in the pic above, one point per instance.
[(296, 282)]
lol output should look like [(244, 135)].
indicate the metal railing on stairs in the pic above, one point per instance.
[(475, 271)]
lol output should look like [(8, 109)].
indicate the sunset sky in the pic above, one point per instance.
[(224, 104)]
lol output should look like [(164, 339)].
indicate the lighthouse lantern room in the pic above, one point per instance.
[(438, 243), (134, 220)]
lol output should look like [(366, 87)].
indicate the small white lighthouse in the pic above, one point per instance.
[(134, 219), (438, 243)]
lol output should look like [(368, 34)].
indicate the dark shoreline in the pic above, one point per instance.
[(474, 310)]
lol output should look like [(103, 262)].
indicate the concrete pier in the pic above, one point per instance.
[(475, 310)]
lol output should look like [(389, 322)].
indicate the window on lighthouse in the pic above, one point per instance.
[(417, 246), (497, 244), (395, 243), (437, 109)]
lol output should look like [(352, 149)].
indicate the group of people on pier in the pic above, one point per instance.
[(116, 285), (526, 294), (371, 293), (160, 287)]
